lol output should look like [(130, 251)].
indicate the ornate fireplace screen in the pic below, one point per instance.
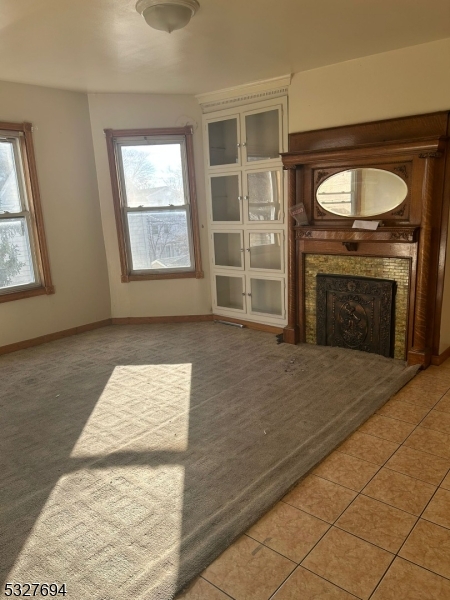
[(356, 312)]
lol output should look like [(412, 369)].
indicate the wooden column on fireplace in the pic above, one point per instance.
[(415, 149)]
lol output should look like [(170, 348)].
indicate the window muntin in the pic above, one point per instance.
[(152, 186), (18, 267)]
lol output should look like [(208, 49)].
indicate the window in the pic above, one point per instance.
[(24, 266), (153, 185)]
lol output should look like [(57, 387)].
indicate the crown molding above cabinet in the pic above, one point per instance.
[(240, 95)]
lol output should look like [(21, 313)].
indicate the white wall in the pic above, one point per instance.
[(404, 82), (158, 297), (66, 173)]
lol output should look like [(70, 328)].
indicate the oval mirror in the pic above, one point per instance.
[(361, 192)]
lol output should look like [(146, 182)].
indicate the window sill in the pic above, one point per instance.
[(153, 276), (40, 291)]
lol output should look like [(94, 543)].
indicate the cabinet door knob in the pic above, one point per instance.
[(245, 197), (242, 249), (238, 145), (248, 249), (244, 143), (240, 197), (248, 294)]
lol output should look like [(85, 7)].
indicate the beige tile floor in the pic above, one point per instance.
[(371, 521)]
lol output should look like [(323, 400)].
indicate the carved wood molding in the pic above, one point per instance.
[(291, 331), (424, 148), (430, 155), (400, 212), (402, 171), (386, 234)]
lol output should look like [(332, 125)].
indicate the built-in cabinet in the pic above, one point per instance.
[(246, 193)]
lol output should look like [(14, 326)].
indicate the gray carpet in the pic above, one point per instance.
[(132, 456)]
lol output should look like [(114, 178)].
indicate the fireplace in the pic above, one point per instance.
[(356, 313), (375, 196), (352, 267)]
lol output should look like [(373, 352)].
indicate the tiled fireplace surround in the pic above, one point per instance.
[(397, 269)]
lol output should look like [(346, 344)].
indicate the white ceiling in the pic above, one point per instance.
[(105, 46)]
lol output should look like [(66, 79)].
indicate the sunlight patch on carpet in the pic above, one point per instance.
[(138, 399), (104, 523)]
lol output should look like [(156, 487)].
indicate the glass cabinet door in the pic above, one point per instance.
[(228, 249), (230, 292), (262, 135), (226, 199), (223, 142), (265, 250), (266, 296), (264, 196)]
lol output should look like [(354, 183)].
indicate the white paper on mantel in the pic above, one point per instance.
[(372, 225)]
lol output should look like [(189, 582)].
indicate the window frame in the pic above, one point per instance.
[(113, 142), (30, 200)]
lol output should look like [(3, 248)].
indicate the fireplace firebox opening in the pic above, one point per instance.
[(356, 313)]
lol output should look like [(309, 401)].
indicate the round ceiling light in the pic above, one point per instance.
[(167, 15)]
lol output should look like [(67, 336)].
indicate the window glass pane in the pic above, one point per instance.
[(264, 195), (153, 175), (159, 240), (9, 188), (16, 263)]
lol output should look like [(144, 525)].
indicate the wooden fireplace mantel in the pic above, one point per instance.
[(416, 149), (384, 234)]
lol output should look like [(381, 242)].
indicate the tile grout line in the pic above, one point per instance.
[(283, 582), (300, 566), (217, 588), (421, 517), (272, 549)]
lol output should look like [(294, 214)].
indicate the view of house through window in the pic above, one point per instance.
[(156, 203), (17, 262)]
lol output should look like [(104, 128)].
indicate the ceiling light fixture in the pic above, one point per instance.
[(167, 15)]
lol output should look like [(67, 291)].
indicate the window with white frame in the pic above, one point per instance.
[(24, 268), (153, 186)]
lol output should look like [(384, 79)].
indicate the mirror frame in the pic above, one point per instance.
[(400, 213)]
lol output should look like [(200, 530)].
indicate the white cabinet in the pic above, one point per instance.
[(246, 189), (262, 298), (225, 198), (228, 249), (253, 250), (265, 250), (245, 139)]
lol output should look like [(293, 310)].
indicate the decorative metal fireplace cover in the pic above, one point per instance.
[(355, 312)]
